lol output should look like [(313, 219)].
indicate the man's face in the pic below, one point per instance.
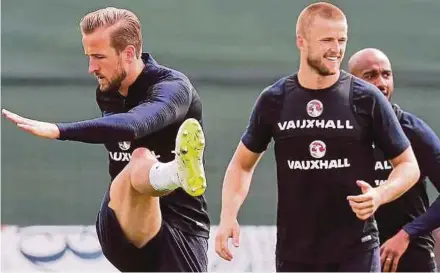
[(376, 69), (104, 62), (324, 45)]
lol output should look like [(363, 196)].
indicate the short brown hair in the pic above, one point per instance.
[(127, 27), (321, 9)]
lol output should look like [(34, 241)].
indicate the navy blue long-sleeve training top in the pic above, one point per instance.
[(426, 145), (149, 116), (404, 212)]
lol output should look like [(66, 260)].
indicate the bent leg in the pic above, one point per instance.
[(119, 249), (133, 193), (134, 200)]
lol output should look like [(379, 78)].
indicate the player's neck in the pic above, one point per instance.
[(310, 79), (131, 77)]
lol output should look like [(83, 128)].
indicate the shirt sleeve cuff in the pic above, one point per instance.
[(63, 129), (411, 231), (251, 146)]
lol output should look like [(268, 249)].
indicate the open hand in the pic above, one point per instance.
[(35, 127)]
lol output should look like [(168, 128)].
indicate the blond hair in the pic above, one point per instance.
[(127, 27), (321, 9)]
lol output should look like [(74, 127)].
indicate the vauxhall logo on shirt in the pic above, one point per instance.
[(314, 109), (318, 150), (122, 156), (124, 145), (125, 155)]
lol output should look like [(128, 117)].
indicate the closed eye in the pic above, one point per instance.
[(97, 56)]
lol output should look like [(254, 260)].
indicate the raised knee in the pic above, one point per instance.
[(141, 153), (141, 160)]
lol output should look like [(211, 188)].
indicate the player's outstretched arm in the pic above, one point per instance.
[(236, 185), (169, 105)]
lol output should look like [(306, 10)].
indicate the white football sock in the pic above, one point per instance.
[(163, 176)]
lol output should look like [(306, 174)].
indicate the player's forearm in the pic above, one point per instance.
[(426, 223), (100, 130), (401, 179), (235, 190)]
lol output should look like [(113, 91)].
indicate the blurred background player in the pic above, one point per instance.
[(143, 105), (323, 122), (403, 247)]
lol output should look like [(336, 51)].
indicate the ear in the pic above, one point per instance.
[(300, 42), (129, 53)]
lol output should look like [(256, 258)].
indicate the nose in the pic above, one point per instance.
[(333, 50), (93, 66), (336, 47), (381, 83)]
